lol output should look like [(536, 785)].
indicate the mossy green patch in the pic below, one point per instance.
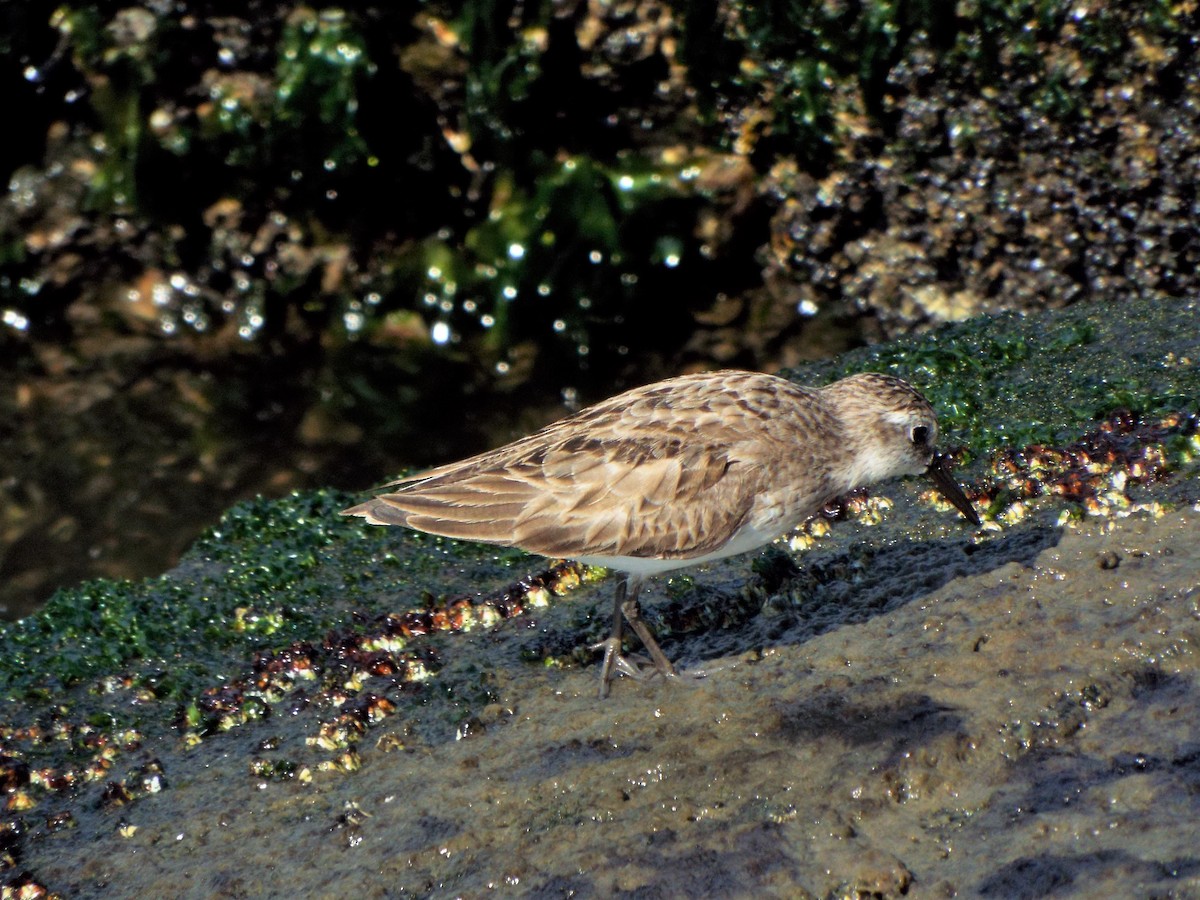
[(1014, 380), (270, 573)]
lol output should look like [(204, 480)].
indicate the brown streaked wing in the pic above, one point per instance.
[(628, 497)]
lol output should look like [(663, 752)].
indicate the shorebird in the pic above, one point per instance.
[(674, 474)]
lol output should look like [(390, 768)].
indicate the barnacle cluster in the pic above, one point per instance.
[(859, 505), (94, 748), (355, 676), (1097, 474)]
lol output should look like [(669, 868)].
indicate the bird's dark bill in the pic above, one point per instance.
[(939, 471)]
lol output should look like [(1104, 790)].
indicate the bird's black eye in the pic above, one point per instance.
[(920, 435)]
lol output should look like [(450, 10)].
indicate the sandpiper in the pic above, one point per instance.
[(676, 473)]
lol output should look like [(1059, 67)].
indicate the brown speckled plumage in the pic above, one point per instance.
[(682, 471)]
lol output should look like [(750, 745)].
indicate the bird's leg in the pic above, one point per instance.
[(633, 615), (626, 609), (613, 660)]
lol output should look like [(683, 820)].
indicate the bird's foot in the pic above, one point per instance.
[(617, 663)]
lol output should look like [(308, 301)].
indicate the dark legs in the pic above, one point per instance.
[(626, 609), (633, 615), (612, 646)]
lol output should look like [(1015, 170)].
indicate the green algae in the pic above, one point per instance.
[(323, 59), (1015, 380), (270, 139), (262, 576)]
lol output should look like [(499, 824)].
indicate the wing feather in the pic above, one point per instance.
[(589, 503)]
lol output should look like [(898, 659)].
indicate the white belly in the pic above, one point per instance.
[(749, 538)]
